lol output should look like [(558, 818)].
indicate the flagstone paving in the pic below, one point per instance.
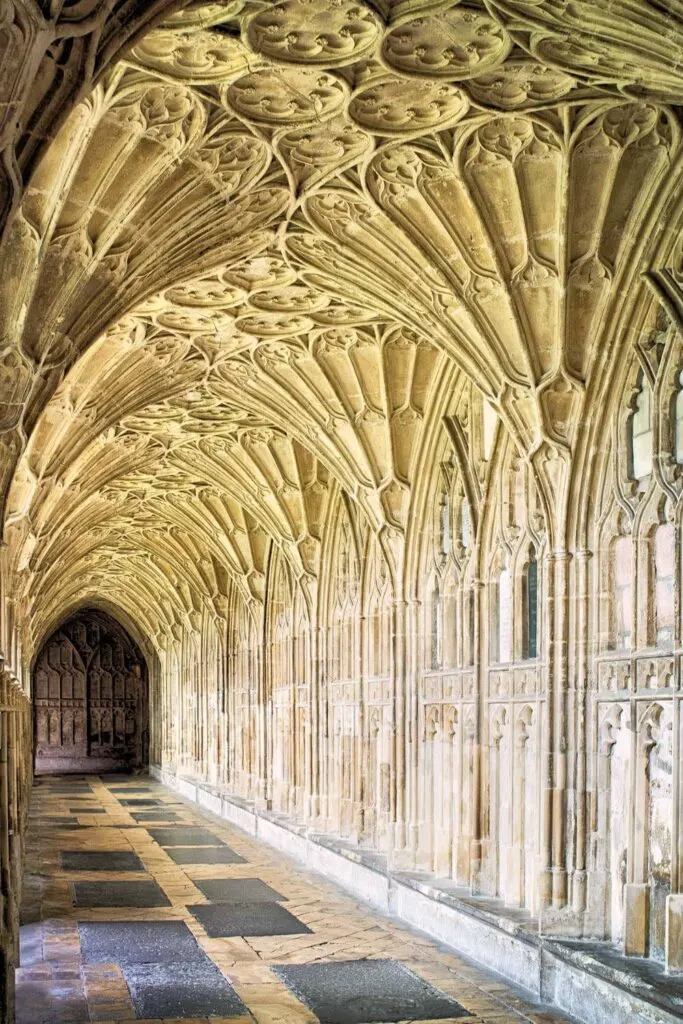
[(197, 922)]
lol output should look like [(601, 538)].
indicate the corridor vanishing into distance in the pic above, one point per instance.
[(138, 907), (341, 491)]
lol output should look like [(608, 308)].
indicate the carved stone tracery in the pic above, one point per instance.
[(323, 326)]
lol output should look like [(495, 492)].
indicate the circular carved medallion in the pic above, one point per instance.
[(273, 325), (324, 32), (209, 291), (195, 320), (192, 57), (518, 82), (286, 96), (407, 107), (199, 14), (458, 44), (294, 299)]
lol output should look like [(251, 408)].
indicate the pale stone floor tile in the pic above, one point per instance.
[(56, 981)]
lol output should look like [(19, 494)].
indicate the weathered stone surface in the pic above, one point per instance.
[(362, 990), (138, 942), (181, 990), (340, 368), (258, 918), (97, 860), (119, 894), (109, 968), (238, 890)]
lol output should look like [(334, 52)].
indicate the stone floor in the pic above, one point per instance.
[(139, 907)]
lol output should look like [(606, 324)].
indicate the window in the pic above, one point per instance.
[(501, 624), (435, 630), (465, 526), (505, 616), (494, 635), (490, 418), (678, 422), (664, 584), (641, 432), (622, 570), (531, 607), (470, 626), (445, 526)]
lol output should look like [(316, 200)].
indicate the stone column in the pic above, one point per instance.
[(404, 685), (412, 740), (578, 892), (480, 642)]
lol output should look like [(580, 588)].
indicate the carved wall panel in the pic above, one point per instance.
[(90, 698), (61, 724)]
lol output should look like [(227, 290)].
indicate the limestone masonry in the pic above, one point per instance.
[(341, 451)]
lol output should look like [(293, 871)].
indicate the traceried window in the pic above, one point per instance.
[(640, 427), (465, 524), (470, 627), (622, 575), (494, 630), (505, 616), (490, 422), (530, 639), (379, 631), (344, 647), (436, 627), (664, 549), (445, 525), (678, 422), (501, 624)]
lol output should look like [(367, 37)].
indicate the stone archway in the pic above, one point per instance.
[(90, 697)]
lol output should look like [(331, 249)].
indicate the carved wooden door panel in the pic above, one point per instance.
[(113, 699), (60, 700), (90, 695)]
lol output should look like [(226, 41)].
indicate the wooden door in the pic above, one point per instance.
[(90, 695), (61, 701), (113, 703)]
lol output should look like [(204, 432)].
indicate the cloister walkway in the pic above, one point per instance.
[(140, 907)]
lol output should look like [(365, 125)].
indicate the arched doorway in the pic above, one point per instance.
[(90, 697)]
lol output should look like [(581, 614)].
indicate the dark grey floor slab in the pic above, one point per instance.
[(223, 920), (160, 816), (87, 810), (238, 890), (181, 990), (138, 942), (204, 855), (179, 835), (133, 789), (67, 787), (139, 801), (119, 894), (99, 860), (367, 992), (53, 819)]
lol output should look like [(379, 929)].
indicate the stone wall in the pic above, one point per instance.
[(394, 703)]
